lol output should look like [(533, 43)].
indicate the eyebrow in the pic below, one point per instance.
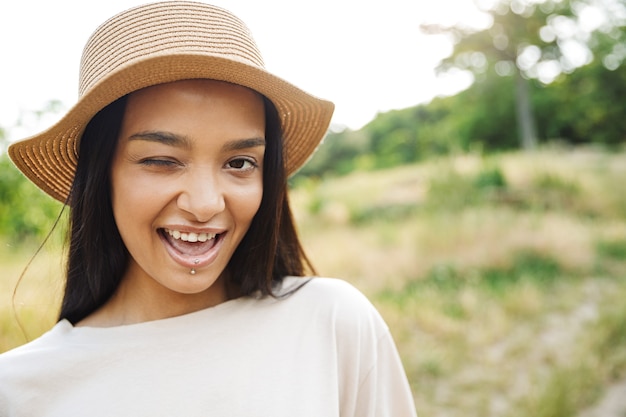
[(243, 144), (181, 141), (165, 138)]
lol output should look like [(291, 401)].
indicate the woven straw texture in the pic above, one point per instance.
[(159, 43)]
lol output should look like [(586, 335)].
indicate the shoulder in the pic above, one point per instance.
[(329, 287), (47, 341), (24, 364), (338, 301), (326, 292)]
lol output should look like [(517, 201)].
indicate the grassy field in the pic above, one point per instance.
[(28, 309), (501, 278)]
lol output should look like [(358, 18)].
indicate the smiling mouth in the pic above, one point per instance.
[(190, 243)]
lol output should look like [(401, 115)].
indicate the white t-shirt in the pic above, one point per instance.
[(322, 351)]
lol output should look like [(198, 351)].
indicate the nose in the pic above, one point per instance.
[(201, 197)]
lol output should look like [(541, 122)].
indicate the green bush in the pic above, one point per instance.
[(490, 178), (527, 266), (454, 190), (26, 213), (612, 249)]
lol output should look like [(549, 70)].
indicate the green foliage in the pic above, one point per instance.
[(491, 120), (475, 293), (400, 137), (516, 26), (585, 107), (394, 138), (340, 153), (548, 191), (614, 249), (582, 106), (442, 277), (454, 190), (574, 386), (526, 267), (386, 212), (611, 332), (26, 213), (490, 178), (566, 392)]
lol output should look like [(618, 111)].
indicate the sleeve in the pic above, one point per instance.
[(385, 390), (372, 380)]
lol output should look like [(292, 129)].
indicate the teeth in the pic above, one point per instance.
[(190, 237)]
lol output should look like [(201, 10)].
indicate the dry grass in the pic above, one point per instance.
[(28, 306), (470, 350)]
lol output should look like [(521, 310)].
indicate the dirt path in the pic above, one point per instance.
[(612, 404)]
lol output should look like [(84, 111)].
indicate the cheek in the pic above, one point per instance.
[(123, 206), (247, 202), (131, 198)]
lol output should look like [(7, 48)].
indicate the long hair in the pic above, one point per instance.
[(271, 249), (97, 255), (98, 258)]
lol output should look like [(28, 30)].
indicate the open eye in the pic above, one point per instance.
[(241, 164)]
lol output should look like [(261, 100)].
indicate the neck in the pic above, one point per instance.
[(139, 298)]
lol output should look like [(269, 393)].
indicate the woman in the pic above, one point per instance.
[(185, 289)]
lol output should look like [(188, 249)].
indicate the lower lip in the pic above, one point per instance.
[(194, 262)]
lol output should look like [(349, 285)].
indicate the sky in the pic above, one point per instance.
[(367, 56)]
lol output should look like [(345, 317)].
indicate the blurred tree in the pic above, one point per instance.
[(565, 59), (534, 39), (26, 213), (585, 107), (340, 153)]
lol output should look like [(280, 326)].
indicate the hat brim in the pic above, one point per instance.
[(49, 158)]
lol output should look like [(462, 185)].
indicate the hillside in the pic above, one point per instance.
[(501, 277)]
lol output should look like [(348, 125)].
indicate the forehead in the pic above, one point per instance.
[(196, 106), (218, 92)]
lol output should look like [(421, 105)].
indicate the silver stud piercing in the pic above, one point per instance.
[(193, 270)]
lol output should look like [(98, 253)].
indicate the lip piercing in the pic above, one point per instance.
[(193, 270)]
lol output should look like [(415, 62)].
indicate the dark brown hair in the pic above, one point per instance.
[(98, 257)]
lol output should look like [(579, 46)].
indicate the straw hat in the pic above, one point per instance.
[(158, 43)]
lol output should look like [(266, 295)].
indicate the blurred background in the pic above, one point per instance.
[(487, 224)]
